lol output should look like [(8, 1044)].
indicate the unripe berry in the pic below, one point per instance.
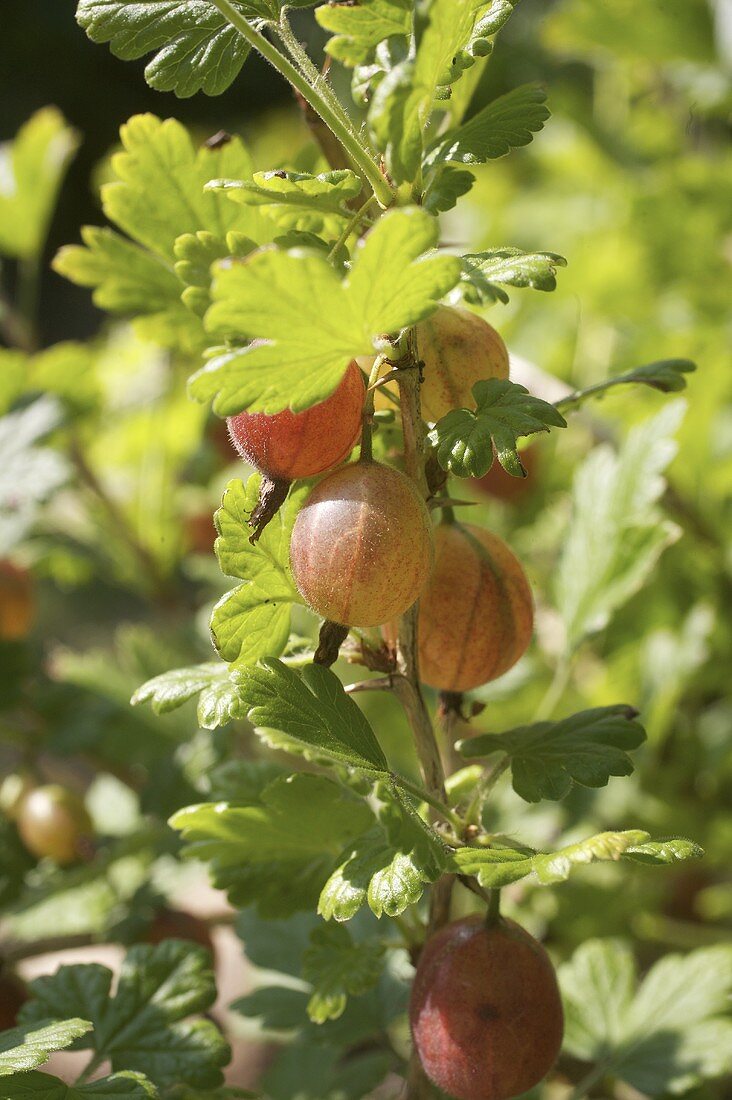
[(361, 546), (288, 445), (53, 823), (485, 1013), (475, 612)]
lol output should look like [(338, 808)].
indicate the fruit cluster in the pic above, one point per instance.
[(486, 1014), (364, 549)]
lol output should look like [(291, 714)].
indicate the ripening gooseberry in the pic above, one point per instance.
[(475, 612), (361, 546), (458, 349), (53, 823), (485, 1012), (17, 606), (289, 445)]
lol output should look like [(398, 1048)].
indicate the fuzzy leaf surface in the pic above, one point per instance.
[(218, 700), (486, 273), (297, 200), (196, 48), (24, 1048), (311, 707), (506, 123)]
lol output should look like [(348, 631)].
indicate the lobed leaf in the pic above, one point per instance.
[(496, 867), (337, 967), (665, 1036), (24, 1048), (143, 1028), (359, 28), (465, 441), (279, 847), (314, 323), (508, 122), (486, 273), (547, 757), (42, 1086), (196, 48), (297, 200), (218, 701), (312, 709)]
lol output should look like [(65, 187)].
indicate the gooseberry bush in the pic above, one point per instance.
[(321, 317)]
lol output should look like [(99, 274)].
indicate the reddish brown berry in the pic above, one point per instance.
[(486, 1014), (475, 612), (13, 996), (53, 823), (176, 924), (290, 445), (17, 605), (361, 546)]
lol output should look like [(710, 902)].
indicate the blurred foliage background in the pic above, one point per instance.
[(109, 475)]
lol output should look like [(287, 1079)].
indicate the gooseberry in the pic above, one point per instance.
[(53, 823), (485, 1012), (13, 996), (361, 547), (475, 612), (458, 349), (16, 602), (500, 485), (289, 445)]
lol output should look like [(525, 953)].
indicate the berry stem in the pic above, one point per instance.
[(334, 119)]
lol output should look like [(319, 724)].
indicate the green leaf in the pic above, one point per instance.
[(445, 187), (196, 48), (159, 158), (314, 322), (311, 708), (497, 867), (615, 534), (32, 168), (131, 281), (504, 124), (143, 279), (666, 375), (277, 1007), (465, 440), (665, 1036), (279, 849), (547, 757), (253, 620), (359, 28), (195, 255), (337, 968), (40, 471), (658, 852), (309, 1071), (42, 1086), (24, 1048), (143, 1028), (297, 200), (387, 867), (456, 32), (486, 273), (218, 701)]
